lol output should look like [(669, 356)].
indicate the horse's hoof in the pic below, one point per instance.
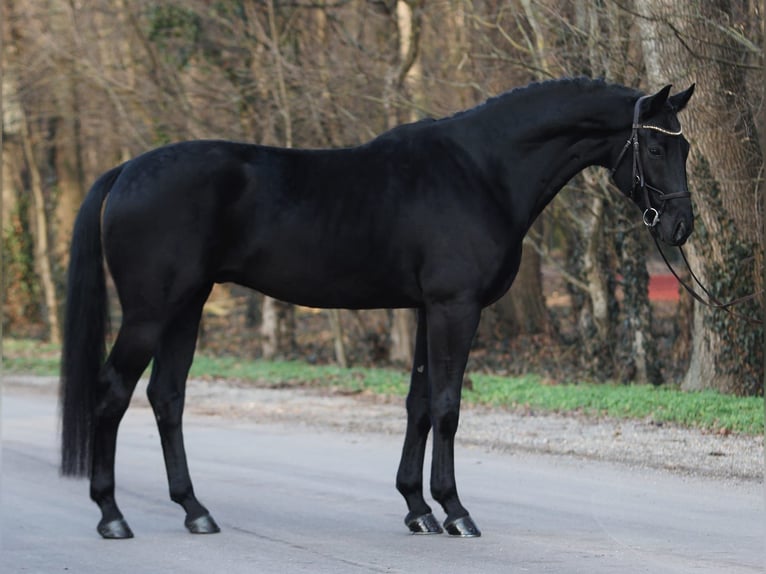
[(202, 525), (464, 527), (115, 529), (424, 524)]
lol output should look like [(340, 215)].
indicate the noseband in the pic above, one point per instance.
[(651, 216)]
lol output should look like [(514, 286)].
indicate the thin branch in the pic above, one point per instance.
[(684, 38)]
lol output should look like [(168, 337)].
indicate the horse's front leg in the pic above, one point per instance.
[(451, 328), (409, 478)]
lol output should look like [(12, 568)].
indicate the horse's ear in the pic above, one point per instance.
[(654, 104), (680, 100)]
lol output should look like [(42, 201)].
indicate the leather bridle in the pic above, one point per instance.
[(651, 215)]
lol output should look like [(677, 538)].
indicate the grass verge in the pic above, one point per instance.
[(707, 410)]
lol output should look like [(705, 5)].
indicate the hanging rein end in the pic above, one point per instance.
[(711, 301)]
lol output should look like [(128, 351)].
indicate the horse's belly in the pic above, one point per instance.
[(317, 282)]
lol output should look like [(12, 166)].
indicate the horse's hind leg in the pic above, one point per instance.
[(129, 357), (166, 394), (409, 478)]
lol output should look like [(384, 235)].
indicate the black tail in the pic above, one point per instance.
[(85, 326)]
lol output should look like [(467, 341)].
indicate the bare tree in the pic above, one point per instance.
[(404, 84), (707, 43), (39, 215), (106, 80), (278, 326)]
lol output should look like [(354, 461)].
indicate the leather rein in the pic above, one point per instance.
[(651, 215)]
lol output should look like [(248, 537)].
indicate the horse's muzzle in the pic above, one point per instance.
[(681, 233)]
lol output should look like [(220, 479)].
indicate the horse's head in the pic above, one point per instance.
[(651, 168)]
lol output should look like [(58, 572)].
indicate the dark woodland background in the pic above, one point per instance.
[(87, 85)]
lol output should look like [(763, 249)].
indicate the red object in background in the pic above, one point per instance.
[(663, 288)]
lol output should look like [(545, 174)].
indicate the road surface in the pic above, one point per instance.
[(300, 499)]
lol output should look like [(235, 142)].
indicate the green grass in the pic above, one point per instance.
[(296, 373), (706, 410), (30, 357)]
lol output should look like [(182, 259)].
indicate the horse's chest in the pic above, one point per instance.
[(504, 274)]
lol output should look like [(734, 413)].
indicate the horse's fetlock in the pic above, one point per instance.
[(407, 487), (101, 491), (181, 495), (443, 492)]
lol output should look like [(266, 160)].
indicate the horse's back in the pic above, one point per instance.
[(274, 219)]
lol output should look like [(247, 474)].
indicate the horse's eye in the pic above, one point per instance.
[(655, 151)]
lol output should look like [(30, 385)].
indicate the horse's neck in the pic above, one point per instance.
[(560, 127), (538, 149)]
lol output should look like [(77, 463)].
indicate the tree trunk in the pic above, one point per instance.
[(39, 214), (759, 80), (20, 304), (320, 21), (337, 337), (693, 44), (596, 325), (278, 326), (67, 141), (70, 177), (3, 179), (402, 330), (40, 227), (522, 311), (640, 363), (636, 358), (406, 79), (11, 118)]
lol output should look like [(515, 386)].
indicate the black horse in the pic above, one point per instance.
[(429, 216)]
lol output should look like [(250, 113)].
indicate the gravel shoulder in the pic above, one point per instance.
[(640, 444)]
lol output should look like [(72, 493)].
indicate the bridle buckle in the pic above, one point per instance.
[(651, 217)]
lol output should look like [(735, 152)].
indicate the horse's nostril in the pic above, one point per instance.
[(680, 235)]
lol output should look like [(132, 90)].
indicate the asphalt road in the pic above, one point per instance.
[(307, 500)]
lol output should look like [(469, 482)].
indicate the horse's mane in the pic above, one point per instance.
[(563, 86), (580, 84)]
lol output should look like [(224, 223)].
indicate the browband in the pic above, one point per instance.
[(657, 129)]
